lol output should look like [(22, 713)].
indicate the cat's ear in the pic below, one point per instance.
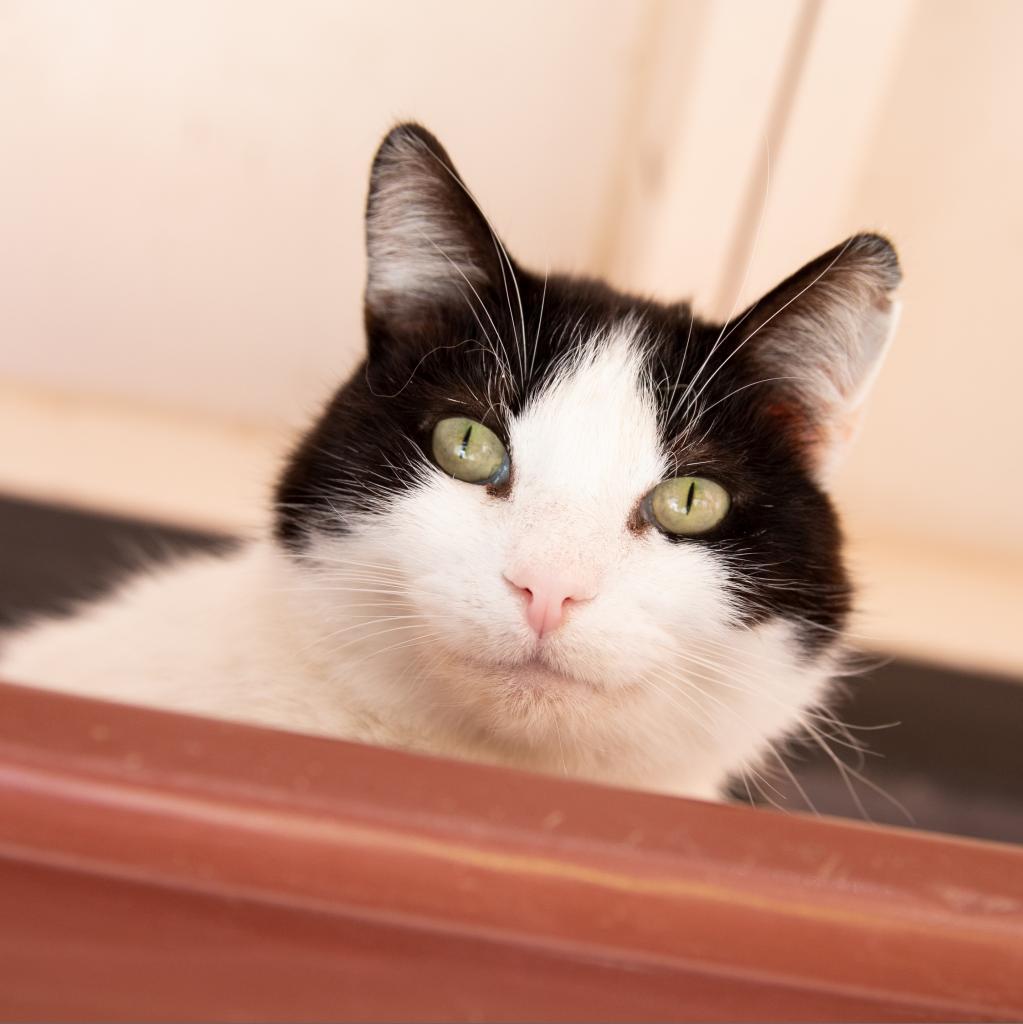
[(427, 243), (822, 335)]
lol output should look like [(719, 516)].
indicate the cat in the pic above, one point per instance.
[(545, 524)]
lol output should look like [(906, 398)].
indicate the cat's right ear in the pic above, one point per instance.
[(818, 340), (427, 243)]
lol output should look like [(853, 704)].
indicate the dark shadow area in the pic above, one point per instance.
[(52, 557), (953, 761), (942, 752)]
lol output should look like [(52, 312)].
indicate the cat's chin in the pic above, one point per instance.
[(540, 713)]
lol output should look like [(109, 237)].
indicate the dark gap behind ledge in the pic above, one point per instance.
[(954, 761)]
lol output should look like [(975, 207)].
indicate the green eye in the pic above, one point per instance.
[(687, 505), (470, 451)]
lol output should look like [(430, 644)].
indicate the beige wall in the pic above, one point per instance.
[(940, 455), (181, 184)]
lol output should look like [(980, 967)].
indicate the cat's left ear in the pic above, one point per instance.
[(427, 243), (822, 336)]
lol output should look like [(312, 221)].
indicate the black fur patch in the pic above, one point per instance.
[(781, 535)]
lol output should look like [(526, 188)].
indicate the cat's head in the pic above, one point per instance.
[(597, 513)]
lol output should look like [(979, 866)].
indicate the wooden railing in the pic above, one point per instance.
[(161, 866)]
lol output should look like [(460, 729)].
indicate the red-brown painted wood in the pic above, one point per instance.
[(162, 866)]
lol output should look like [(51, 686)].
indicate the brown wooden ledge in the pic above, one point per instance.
[(158, 866)]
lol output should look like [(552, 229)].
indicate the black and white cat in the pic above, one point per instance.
[(545, 524)]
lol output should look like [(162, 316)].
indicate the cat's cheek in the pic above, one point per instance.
[(684, 589), (449, 540)]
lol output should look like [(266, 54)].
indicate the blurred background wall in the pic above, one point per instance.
[(181, 193)]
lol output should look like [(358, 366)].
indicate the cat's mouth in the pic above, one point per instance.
[(536, 673), (533, 673), (539, 673)]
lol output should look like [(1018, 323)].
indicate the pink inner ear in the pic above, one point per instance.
[(823, 443), (794, 422)]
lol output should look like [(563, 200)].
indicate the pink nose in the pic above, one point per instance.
[(547, 597)]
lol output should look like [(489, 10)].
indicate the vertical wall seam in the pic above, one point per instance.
[(755, 200)]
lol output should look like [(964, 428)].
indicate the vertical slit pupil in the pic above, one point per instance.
[(465, 442), (689, 496)]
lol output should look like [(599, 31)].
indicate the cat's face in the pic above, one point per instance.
[(586, 519)]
